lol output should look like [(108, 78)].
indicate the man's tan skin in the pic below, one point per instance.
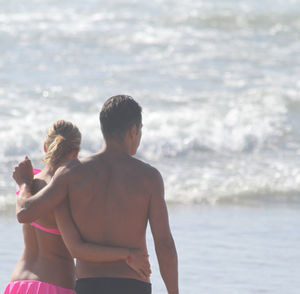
[(112, 195)]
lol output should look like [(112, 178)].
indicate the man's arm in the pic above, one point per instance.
[(30, 208), (92, 252), (163, 240)]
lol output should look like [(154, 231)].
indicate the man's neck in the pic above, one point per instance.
[(115, 148)]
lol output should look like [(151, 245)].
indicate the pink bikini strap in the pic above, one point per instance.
[(36, 225), (51, 231)]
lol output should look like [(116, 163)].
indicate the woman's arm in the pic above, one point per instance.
[(92, 252)]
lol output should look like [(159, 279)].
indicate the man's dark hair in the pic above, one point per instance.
[(118, 114)]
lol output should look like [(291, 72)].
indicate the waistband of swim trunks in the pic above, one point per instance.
[(112, 279)]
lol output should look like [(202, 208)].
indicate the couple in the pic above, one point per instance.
[(96, 210)]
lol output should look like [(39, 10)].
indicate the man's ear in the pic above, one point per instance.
[(74, 154), (133, 131)]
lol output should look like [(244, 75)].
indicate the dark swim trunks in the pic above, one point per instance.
[(111, 286)]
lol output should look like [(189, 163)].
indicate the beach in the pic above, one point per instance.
[(219, 83), (227, 249)]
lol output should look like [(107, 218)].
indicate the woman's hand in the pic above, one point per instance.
[(139, 262), (23, 173)]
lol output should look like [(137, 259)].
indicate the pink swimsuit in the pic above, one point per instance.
[(33, 286)]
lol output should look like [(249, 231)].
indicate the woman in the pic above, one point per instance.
[(51, 243)]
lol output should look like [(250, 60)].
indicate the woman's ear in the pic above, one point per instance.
[(45, 148)]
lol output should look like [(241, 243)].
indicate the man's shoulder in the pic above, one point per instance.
[(150, 178), (146, 169), (77, 163), (70, 168)]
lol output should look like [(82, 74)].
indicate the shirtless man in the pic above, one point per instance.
[(112, 196)]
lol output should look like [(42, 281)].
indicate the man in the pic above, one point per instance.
[(112, 196)]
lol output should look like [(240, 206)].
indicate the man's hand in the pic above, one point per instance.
[(23, 173), (139, 262)]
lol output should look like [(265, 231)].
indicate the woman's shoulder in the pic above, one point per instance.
[(38, 183)]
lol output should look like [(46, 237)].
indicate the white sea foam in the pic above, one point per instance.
[(218, 81)]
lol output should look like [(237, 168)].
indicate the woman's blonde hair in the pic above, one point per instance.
[(62, 139)]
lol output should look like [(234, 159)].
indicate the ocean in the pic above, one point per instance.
[(219, 83)]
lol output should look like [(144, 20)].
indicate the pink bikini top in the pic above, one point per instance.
[(48, 230), (36, 225)]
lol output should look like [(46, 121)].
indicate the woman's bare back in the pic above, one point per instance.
[(45, 257)]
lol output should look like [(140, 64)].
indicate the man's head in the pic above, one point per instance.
[(119, 115)]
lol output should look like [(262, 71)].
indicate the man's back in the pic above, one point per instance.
[(109, 200)]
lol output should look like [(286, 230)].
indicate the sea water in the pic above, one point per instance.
[(219, 83)]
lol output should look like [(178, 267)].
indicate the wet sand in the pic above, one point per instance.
[(222, 249)]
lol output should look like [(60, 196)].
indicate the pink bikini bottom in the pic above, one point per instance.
[(35, 287)]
